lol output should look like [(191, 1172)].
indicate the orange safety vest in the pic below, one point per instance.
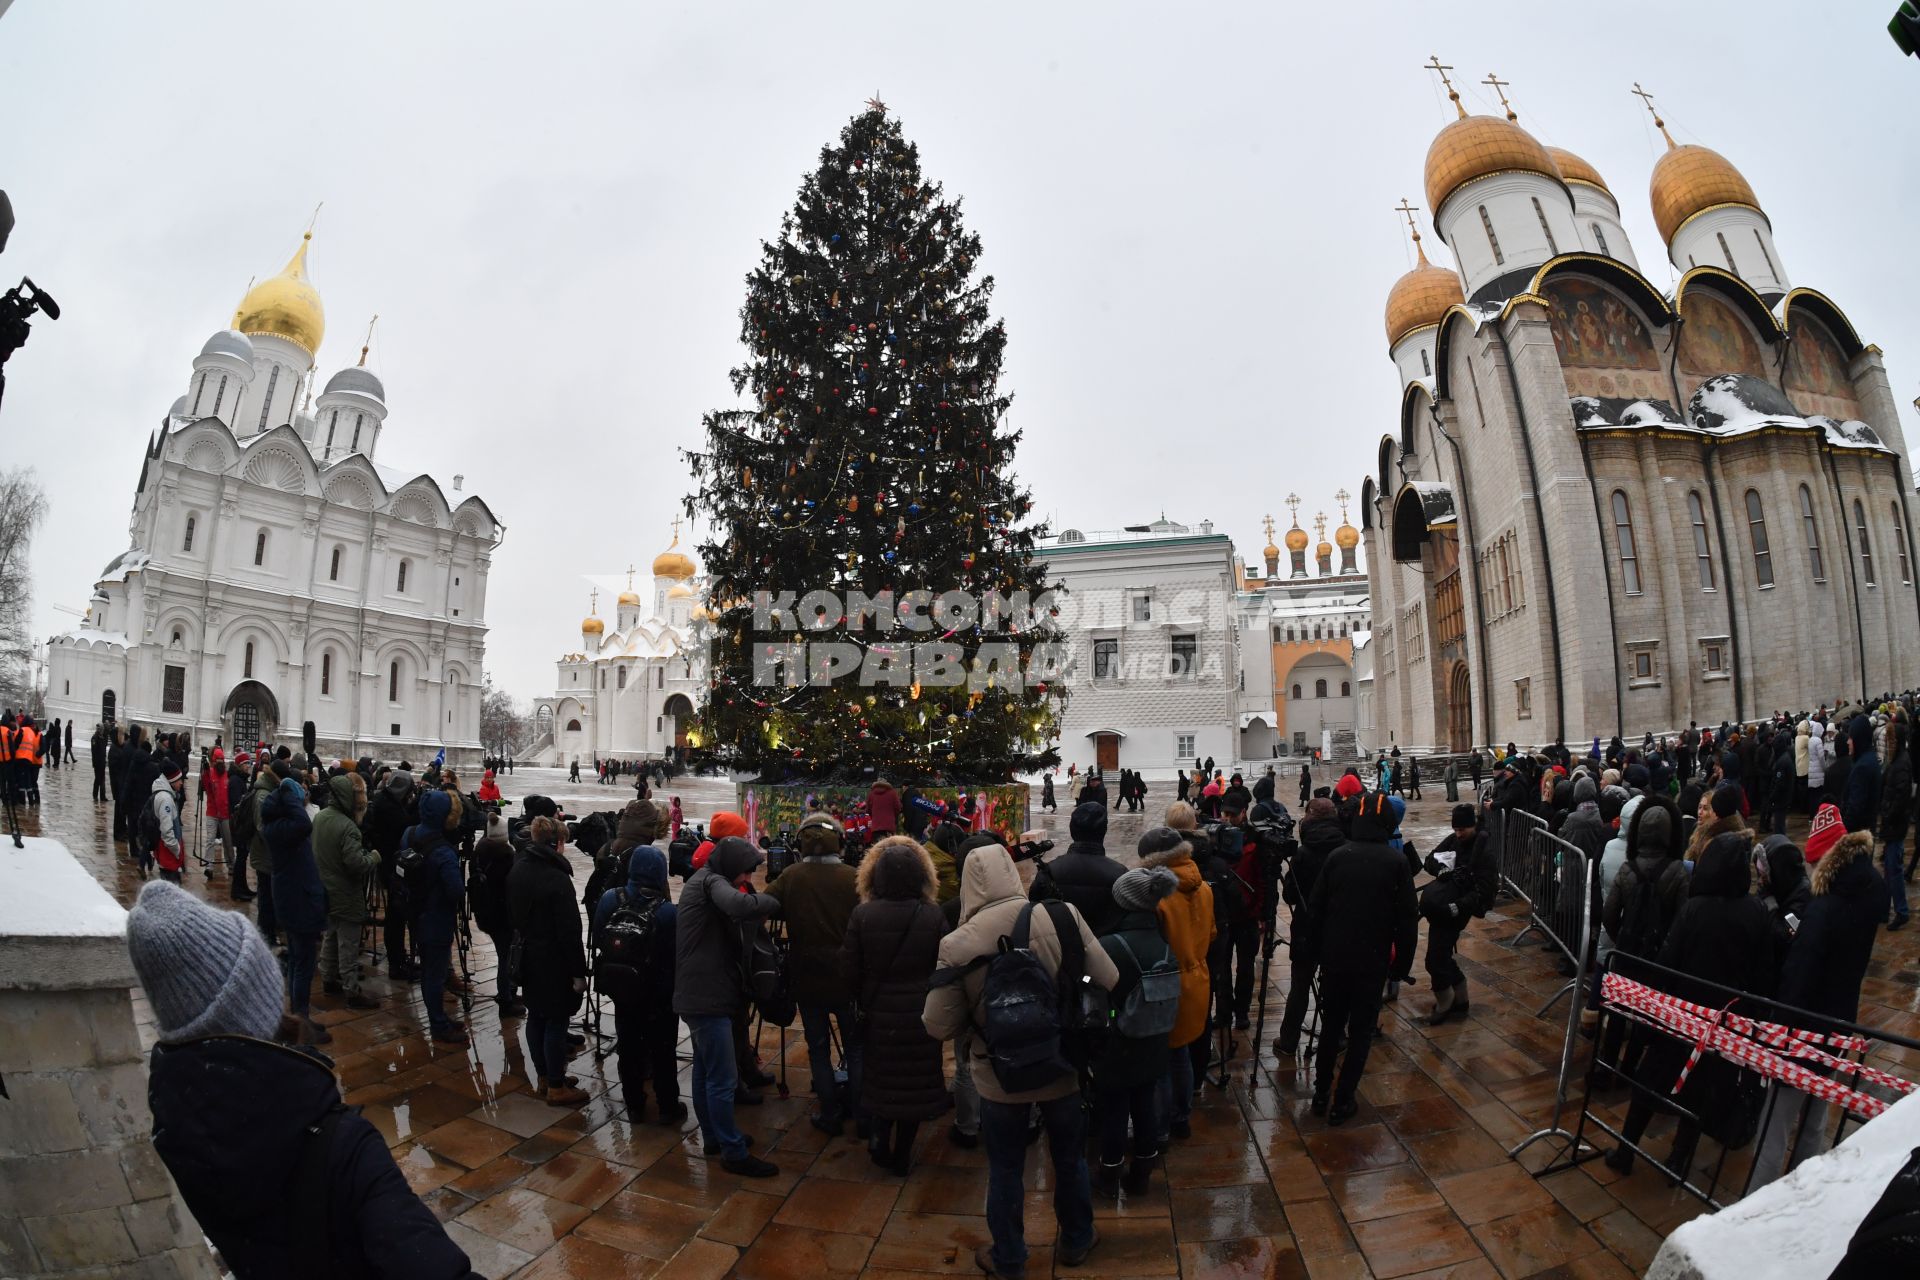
[(6, 744), (26, 746)]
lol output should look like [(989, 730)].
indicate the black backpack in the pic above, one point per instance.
[(623, 949), (766, 964), (146, 829), (412, 879), (1021, 1011), (1642, 928), (243, 819)]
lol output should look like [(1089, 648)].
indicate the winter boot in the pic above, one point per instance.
[(1140, 1174), (1460, 1005), (1106, 1180), (1443, 1002)]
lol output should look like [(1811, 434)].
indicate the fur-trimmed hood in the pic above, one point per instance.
[(897, 868), (1170, 857), (1851, 846)]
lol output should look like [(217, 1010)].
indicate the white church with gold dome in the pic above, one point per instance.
[(1612, 508), (279, 576), (629, 693)]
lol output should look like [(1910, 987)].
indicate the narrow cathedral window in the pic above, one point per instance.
[(1866, 543), (219, 394), (260, 547), (246, 663), (1623, 534), (188, 545), (1757, 530), (1814, 560), (623, 678), (1765, 256), (333, 569), (1426, 365), (1296, 693), (1346, 688), (393, 682), (358, 418), (1499, 258), (326, 674), (1545, 230), (1702, 549), (1600, 238), (200, 389), (402, 585), (333, 424), (1900, 544), (1731, 264), (266, 404), (659, 677)]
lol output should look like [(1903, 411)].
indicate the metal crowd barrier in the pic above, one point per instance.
[(1813, 1069), (1557, 881)]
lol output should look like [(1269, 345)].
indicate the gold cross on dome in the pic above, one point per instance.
[(1293, 505), (594, 597), (676, 531), (1267, 524), (1435, 65), (630, 577), (1658, 123), (1342, 497), (1320, 526), (1500, 87)]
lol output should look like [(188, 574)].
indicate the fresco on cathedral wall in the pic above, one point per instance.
[(1603, 345), (1715, 339), (1817, 373)]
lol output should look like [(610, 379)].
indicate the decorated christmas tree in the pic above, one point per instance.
[(871, 463)]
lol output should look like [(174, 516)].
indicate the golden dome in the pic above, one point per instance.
[(628, 598), (1476, 146), (1270, 551), (1420, 297), (1574, 169), (286, 305), (1347, 536), (1690, 180), (592, 627), (1323, 551), (1296, 539), (679, 591), (671, 563)]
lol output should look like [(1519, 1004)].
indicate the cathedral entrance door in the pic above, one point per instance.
[(1459, 711), (252, 712), (1106, 751)]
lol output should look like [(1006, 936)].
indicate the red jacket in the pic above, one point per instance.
[(213, 785)]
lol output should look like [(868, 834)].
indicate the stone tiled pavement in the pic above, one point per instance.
[(1418, 1184)]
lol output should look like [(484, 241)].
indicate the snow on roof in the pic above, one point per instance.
[(1619, 411), (1851, 434), (1436, 501), (1730, 404), (124, 565)]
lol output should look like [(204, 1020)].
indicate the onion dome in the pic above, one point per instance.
[(1346, 536), (592, 627), (1323, 551), (1270, 551), (1419, 298), (359, 380), (679, 591), (229, 342), (1691, 180), (179, 409), (1574, 169), (1296, 539), (286, 305), (1478, 147), (673, 563), (628, 598)]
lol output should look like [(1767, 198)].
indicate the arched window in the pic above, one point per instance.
[(1900, 544), (1499, 258), (659, 677), (1727, 250), (622, 680), (1757, 531), (266, 402), (401, 584), (326, 674), (246, 663), (260, 547), (1814, 560), (1426, 365), (1346, 688), (1545, 230), (1866, 541), (333, 566), (1600, 238), (1319, 688), (199, 389), (573, 726), (1296, 693), (219, 394), (393, 682), (176, 638), (1623, 535), (106, 708), (1702, 549), (333, 424), (358, 418), (187, 545)]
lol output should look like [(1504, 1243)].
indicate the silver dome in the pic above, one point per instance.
[(229, 342), (358, 379), (179, 409)]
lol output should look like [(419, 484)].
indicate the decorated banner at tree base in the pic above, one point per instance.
[(1001, 808)]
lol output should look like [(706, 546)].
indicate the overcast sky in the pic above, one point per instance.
[(1189, 211)]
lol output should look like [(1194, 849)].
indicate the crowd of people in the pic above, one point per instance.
[(27, 747)]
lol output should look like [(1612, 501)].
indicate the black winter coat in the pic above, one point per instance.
[(546, 918), (487, 873), (1896, 798), (1472, 883), (1363, 918), (1319, 837), (1083, 876), (386, 823), (891, 948), (1829, 957), (1118, 1060), (230, 1119)]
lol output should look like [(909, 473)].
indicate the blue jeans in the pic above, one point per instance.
[(834, 1105), (715, 1077), (1003, 1125), (303, 955), (435, 960), (1894, 859), (546, 1043)]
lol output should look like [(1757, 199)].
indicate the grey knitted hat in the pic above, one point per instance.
[(1142, 887), (206, 971)]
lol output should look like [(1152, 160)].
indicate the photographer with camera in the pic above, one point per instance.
[(390, 811), (817, 896), (1084, 875), (1242, 906), (1320, 835)]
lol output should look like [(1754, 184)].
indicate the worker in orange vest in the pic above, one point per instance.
[(26, 761)]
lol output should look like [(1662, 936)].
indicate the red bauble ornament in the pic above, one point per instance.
[(779, 391), (873, 412)]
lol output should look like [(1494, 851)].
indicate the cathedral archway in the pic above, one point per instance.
[(679, 709), (252, 714), (1459, 710)]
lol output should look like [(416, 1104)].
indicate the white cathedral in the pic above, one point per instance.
[(630, 695), (278, 577)]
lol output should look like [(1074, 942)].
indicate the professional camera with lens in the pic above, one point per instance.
[(1027, 850), (781, 852)]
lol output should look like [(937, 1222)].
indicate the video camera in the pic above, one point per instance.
[(782, 851), (1027, 850)]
